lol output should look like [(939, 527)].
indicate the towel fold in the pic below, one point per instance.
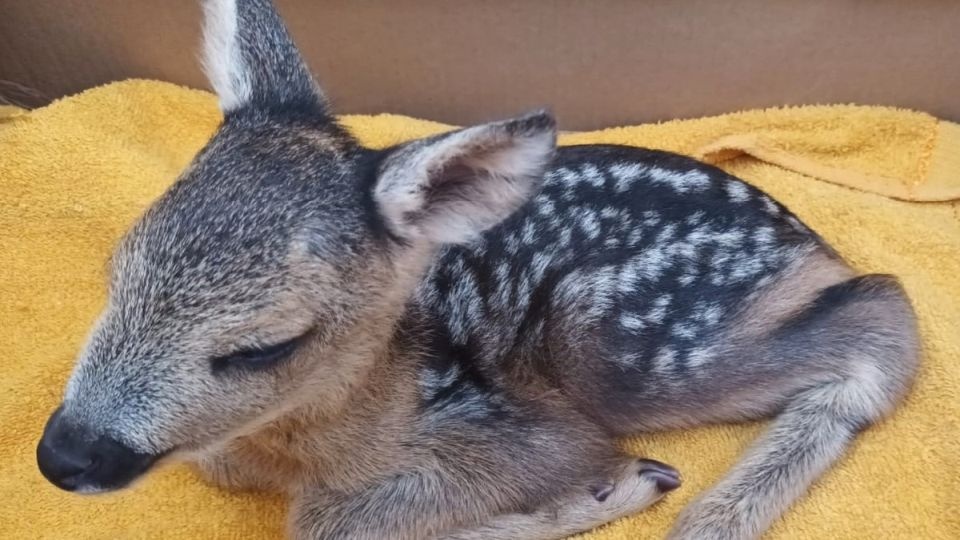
[(882, 185)]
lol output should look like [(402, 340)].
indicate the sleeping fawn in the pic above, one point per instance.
[(446, 338)]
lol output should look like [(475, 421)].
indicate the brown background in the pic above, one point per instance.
[(597, 63)]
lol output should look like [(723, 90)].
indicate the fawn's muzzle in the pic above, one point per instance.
[(74, 459)]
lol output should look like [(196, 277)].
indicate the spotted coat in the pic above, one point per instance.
[(643, 255)]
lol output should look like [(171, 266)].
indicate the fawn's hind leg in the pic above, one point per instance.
[(868, 324), (639, 484)]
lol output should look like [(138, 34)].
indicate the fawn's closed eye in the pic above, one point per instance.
[(258, 357)]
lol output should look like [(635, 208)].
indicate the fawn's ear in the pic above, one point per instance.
[(250, 59), (453, 187)]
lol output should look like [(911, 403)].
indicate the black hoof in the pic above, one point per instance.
[(601, 492), (666, 477)]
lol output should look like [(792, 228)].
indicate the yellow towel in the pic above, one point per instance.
[(74, 174)]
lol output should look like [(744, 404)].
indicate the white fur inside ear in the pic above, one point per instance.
[(222, 58), (451, 189)]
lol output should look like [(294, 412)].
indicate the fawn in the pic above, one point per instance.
[(446, 338)]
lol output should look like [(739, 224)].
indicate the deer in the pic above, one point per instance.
[(447, 338)]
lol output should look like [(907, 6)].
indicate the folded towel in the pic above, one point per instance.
[(880, 184)]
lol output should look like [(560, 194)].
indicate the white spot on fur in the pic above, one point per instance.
[(658, 312), (712, 314), (764, 236), (529, 232), (593, 175), (538, 266), (695, 218), (631, 322), (698, 357), (512, 244), (480, 246), (458, 266), (667, 234), (604, 283), (698, 236), (589, 223), (627, 277), (571, 289), (626, 174), (503, 272), (684, 330), (464, 307), (770, 206), (504, 283), (523, 292), (545, 206), (569, 177), (651, 218), (652, 262), (686, 250), (732, 238), (746, 267), (681, 181), (664, 361), (737, 191)]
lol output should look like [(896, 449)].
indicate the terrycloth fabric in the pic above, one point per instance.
[(73, 175)]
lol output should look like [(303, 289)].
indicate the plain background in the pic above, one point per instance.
[(595, 62)]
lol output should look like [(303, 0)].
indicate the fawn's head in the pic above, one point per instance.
[(277, 263)]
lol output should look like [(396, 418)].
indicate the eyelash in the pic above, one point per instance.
[(256, 358)]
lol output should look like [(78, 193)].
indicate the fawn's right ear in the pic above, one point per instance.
[(251, 60), (453, 187)]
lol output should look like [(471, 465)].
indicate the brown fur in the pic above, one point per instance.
[(279, 316)]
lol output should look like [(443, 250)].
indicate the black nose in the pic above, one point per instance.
[(74, 459)]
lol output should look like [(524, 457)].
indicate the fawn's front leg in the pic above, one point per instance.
[(409, 506), (640, 484), (424, 505)]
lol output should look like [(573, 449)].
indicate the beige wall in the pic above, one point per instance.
[(597, 63)]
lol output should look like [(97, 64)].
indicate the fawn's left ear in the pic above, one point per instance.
[(250, 59), (453, 187)]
